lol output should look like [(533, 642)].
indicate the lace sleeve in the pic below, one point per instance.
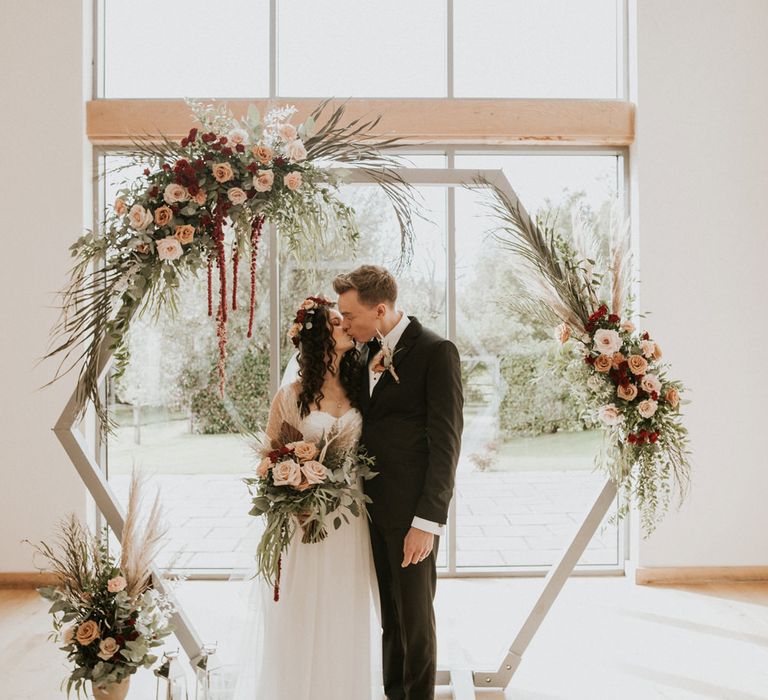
[(283, 408)]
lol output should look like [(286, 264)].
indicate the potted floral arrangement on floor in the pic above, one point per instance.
[(106, 613)]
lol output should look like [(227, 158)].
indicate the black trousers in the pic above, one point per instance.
[(409, 641)]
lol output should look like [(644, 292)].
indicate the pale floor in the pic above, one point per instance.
[(604, 638)]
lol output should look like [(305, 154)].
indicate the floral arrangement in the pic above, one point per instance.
[(629, 390), (200, 207), (113, 615), (304, 317), (300, 483)]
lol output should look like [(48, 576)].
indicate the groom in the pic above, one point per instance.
[(412, 421)]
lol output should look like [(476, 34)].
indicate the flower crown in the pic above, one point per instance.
[(304, 316)]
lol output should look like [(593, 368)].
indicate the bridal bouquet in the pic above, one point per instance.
[(106, 614), (299, 483)]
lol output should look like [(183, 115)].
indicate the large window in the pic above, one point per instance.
[(525, 476)]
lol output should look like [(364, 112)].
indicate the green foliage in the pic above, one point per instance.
[(539, 398), (246, 400)]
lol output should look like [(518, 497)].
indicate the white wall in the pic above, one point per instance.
[(42, 187), (700, 169)]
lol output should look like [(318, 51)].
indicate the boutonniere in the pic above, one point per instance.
[(383, 361)]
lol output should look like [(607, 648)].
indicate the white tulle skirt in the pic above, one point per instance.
[(322, 640)]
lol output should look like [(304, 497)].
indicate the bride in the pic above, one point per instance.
[(318, 640)]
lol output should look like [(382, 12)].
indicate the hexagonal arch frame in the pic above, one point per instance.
[(463, 681)]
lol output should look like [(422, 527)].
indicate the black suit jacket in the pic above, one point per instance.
[(413, 429)]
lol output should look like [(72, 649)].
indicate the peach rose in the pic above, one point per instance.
[(628, 392), (650, 383), (108, 647), (314, 472), (264, 466), (296, 151), (200, 197), (175, 193), (292, 181), (563, 332), (87, 632), (618, 358), (163, 215), (304, 450), (236, 195), (294, 330), (117, 584), (237, 137), (637, 364), (672, 397), (169, 248), (656, 352), (264, 154), (139, 217), (120, 206), (627, 327), (610, 415), (647, 408), (607, 341), (287, 473), (184, 234), (263, 180), (222, 172), (647, 346), (603, 363), (287, 132)]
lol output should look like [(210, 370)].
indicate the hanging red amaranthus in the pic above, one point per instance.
[(256, 227), (235, 260), (222, 206), (210, 285)]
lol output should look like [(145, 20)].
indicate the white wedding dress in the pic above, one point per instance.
[(322, 639)]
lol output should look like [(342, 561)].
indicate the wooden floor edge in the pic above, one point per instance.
[(26, 579), (699, 574)]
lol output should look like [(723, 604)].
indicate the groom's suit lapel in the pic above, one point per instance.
[(403, 347)]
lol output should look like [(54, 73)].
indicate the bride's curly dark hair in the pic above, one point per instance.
[(316, 350)]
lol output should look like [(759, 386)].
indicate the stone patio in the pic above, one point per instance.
[(503, 519)]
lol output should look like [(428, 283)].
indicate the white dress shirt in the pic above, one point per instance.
[(391, 339)]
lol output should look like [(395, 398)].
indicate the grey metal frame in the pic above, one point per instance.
[(462, 680)]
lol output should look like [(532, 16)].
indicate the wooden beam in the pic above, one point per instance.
[(418, 121)]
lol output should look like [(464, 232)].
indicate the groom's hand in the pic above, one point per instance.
[(417, 546)]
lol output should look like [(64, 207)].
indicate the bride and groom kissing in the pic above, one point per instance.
[(357, 607)]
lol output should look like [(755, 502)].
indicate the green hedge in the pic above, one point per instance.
[(247, 389), (540, 396)]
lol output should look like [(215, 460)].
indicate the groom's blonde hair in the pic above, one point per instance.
[(374, 285)]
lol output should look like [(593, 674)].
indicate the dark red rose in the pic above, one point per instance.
[(184, 142), (279, 162), (301, 315), (645, 336), (252, 168), (192, 134), (655, 395), (654, 437), (223, 140), (240, 148), (120, 639), (226, 151), (146, 171), (166, 167), (589, 360), (216, 146), (199, 164), (632, 438), (613, 318)]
